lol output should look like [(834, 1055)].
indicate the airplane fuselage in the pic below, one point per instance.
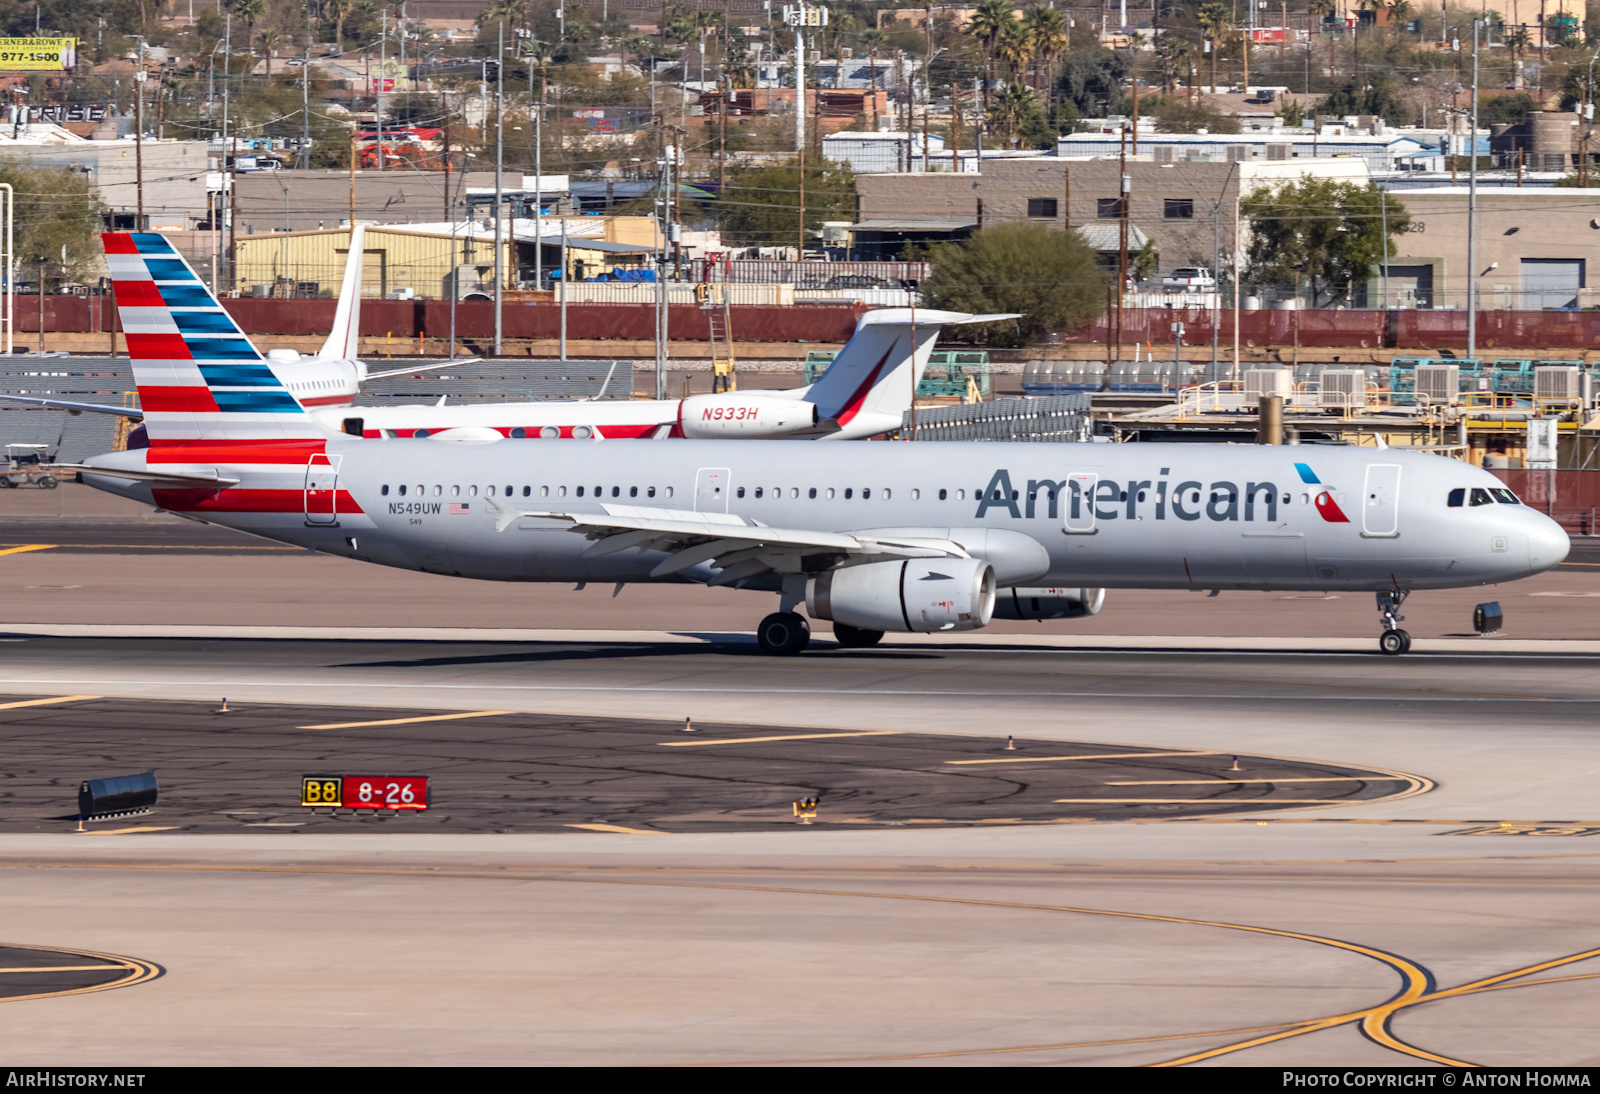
[(1115, 516)]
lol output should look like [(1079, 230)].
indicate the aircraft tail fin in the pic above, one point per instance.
[(200, 378), (342, 340), (878, 370)]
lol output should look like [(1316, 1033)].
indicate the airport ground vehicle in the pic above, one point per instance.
[(924, 537), (25, 466)]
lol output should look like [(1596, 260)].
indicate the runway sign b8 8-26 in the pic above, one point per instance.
[(391, 792)]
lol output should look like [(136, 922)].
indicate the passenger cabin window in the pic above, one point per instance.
[(385, 490), (1480, 496), (1457, 497)]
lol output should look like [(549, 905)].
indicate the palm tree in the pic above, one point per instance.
[(1015, 48), (873, 39), (269, 40), (1174, 53), (1048, 29), (1322, 9), (250, 11), (1013, 107), (1214, 25), (337, 9), (989, 23)]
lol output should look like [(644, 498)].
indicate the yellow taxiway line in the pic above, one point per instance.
[(1231, 782), (46, 702), (1094, 756), (783, 737), (26, 547), (406, 721), (618, 828)]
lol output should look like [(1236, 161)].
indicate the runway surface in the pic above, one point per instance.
[(1454, 923), (494, 771)]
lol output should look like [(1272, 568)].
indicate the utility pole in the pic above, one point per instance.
[(138, 147), (1122, 240), (303, 160), (377, 102), (1586, 122), (499, 190), (538, 175), (566, 268), (1472, 206)]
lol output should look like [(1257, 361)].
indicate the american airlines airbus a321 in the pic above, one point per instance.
[(862, 393), (925, 537)]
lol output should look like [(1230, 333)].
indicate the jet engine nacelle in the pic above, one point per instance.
[(1056, 603), (919, 594), (731, 415)]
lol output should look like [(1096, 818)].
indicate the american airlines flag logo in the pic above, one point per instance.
[(458, 509)]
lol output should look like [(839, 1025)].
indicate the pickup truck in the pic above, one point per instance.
[(1189, 279)]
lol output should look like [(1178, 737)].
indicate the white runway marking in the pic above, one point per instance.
[(919, 692)]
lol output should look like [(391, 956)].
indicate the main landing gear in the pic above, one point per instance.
[(785, 633), (855, 638), (1393, 641)]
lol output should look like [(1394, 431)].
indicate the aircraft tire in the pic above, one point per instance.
[(783, 634), (1394, 642), (855, 638)]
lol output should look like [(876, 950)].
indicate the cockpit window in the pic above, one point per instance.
[(1457, 497), (1480, 496), (1504, 496)]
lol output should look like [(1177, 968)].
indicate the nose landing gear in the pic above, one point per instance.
[(1393, 641)]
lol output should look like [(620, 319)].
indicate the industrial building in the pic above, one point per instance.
[(1187, 210), (429, 261)]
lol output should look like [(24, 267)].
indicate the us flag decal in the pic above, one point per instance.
[(458, 509)]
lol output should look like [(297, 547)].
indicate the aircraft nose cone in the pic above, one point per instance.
[(1548, 544)]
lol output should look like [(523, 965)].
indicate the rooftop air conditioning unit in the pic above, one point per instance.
[(1557, 382), (1265, 381), (1344, 388), (1438, 384)]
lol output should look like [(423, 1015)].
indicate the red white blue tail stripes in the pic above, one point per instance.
[(200, 379)]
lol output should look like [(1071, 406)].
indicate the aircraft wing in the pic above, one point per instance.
[(421, 368), (740, 549), (93, 408), (170, 478)]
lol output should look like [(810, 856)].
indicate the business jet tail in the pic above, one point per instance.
[(872, 380)]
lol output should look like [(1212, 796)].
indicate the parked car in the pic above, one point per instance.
[(1189, 279)]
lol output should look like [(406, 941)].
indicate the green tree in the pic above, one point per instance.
[(1051, 277), (1380, 97), (1507, 109), (1048, 29), (57, 207), (1013, 110), (1328, 232), (762, 205), (988, 23), (1174, 115), (1213, 18), (1091, 80)]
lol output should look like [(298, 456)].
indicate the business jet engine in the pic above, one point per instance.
[(918, 594), (730, 416), (1049, 603)]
